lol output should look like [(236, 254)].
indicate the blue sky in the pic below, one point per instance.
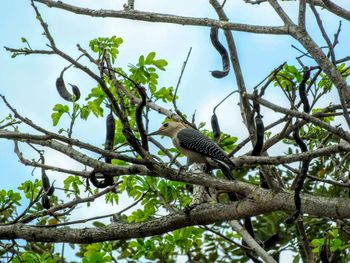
[(28, 82)]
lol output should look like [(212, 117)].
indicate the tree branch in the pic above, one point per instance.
[(204, 214), (165, 18)]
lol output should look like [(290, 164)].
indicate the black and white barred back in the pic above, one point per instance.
[(193, 140)]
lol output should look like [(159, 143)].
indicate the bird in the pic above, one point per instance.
[(197, 147)]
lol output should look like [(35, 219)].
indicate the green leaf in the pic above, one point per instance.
[(59, 110), (150, 57), (84, 112), (60, 131), (160, 63), (296, 259), (108, 45), (141, 61), (72, 183)]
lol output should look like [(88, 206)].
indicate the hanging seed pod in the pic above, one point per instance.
[(260, 131), (109, 143), (62, 90), (45, 202), (48, 188), (138, 116), (110, 133), (64, 93), (300, 178), (45, 180), (106, 181), (299, 141), (271, 241), (51, 190), (223, 52), (215, 127), (324, 253), (76, 91), (302, 91)]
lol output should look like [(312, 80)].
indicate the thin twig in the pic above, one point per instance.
[(225, 237), (323, 31), (177, 87), (96, 217)]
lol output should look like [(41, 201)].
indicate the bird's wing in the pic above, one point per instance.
[(195, 141)]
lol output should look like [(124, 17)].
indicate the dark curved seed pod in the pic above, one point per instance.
[(110, 134), (260, 132), (302, 91), (62, 90), (324, 253), (138, 116), (271, 241), (299, 141), (300, 179), (109, 143), (51, 190), (64, 93), (249, 226), (45, 180), (215, 127), (106, 181), (223, 52), (76, 91), (45, 202), (256, 104)]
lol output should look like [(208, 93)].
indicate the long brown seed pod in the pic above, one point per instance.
[(138, 116), (110, 134), (259, 126), (302, 91), (215, 127), (324, 253), (48, 188), (260, 132), (45, 180), (64, 93), (300, 179), (45, 201), (109, 143), (106, 181), (223, 52), (214, 119)]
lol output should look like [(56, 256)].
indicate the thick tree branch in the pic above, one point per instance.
[(164, 18), (327, 4), (265, 202), (332, 7)]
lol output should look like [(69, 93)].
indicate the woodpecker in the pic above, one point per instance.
[(197, 147)]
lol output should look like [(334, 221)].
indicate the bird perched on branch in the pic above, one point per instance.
[(197, 147)]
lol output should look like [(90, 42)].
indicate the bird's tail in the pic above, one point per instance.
[(227, 173), (225, 170)]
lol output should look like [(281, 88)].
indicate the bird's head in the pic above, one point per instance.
[(169, 129)]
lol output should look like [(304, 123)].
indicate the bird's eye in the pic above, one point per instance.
[(165, 125)]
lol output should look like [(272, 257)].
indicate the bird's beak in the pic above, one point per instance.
[(154, 133)]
